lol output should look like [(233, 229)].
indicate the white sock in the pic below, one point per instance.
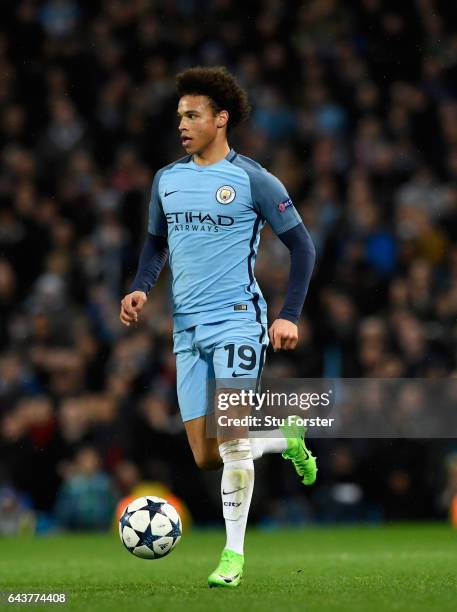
[(268, 442), (236, 489)]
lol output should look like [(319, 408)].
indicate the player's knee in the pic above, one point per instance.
[(206, 461)]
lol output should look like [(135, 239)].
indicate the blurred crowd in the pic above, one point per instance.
[(354, 109)]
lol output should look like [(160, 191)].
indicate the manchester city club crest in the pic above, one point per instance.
[(225, 194)]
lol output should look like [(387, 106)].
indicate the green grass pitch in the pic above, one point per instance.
[(404, 567)]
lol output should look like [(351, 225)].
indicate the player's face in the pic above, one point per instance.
[(198, 125)]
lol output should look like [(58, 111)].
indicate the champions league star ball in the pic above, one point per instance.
[(150, 527)]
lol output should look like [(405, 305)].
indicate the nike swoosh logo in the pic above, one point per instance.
[(234, 491), (235, 374), (167, 193), (228, 579)]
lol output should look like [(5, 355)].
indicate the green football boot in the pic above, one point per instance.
[(304, 462), (229, 571)]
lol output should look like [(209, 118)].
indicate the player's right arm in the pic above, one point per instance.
[(152, 259)]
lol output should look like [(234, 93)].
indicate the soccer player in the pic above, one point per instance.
[(206, 213)]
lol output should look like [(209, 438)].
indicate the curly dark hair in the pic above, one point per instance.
[(221, 88)]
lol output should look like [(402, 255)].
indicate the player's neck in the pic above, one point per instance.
[(212, 154)]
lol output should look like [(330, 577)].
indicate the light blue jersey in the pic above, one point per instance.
[(212, 217)]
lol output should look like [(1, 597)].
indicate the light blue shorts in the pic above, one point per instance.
[(231, 351)]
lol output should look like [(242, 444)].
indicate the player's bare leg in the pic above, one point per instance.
[(204, 449)]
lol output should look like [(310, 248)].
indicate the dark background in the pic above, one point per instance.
[(354, 109)]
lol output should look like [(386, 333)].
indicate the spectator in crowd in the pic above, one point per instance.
[(86, 498)]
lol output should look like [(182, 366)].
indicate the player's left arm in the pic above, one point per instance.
[(276, 207), (284, 331)]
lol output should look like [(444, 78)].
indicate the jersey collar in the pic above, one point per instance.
[(229, 157)]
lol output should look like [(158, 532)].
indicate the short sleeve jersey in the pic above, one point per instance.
[(212, 217)]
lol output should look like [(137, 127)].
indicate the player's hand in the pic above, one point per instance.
[(131, 305), (283, 335)]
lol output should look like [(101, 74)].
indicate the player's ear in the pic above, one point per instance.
[(222, 119)]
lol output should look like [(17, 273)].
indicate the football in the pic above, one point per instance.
[(150, 527)]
